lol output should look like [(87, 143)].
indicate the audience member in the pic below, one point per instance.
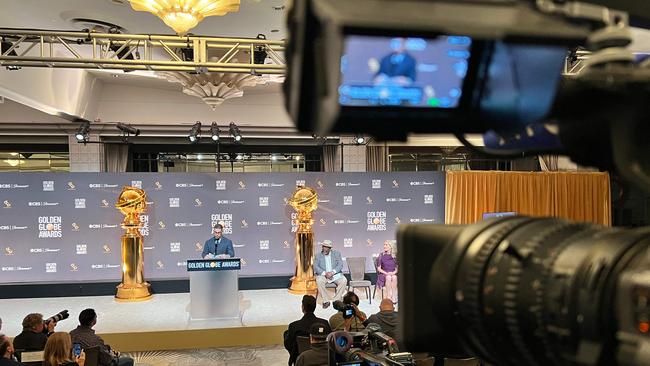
[(58, 351), (7, 352), (353, 324), (85, 335), (386, 318), (301, 327), (318, 355), (33, 337)]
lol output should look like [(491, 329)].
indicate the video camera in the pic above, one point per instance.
[(346, 309), (512, 291), (373, 348)]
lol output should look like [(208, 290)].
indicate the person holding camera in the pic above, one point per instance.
[(348, 317), (58, 351), (85, 335), (301, 327), (318, 355), (7, 352), (35, 333), (328, 265)]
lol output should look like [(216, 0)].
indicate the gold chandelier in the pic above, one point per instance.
[(183, 15)]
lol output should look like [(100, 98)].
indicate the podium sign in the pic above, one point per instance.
[(229, 264), (214, 288)]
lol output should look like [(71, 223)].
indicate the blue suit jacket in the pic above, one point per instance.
[(224, 247), (319, 263)]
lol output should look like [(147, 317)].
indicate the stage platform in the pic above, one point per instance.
[(163, 323)]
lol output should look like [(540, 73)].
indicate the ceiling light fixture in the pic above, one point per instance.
[(82, 132), (234, 132), (359, 139), (195, 132), (183, 15), (214, 130)]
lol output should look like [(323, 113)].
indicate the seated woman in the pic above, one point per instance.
[(58, 351), (387, 270)]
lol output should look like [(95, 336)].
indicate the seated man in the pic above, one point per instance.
[(33, 337), (85, 335), (318, 355), (7, 352), (301, 327), (386, 318), (353, 324), (327, 268)]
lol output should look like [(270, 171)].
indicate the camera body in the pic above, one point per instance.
[(372, 348), (346, 309)]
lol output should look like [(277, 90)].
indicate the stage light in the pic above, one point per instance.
[(82, 132), (297, 157), (215, 132), (4, 47), (239, 157), (259, 54), (195, 132), (274, 157), (234, 132), (128, 129), (359, 139)]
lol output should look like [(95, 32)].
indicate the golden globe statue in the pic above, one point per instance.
[(304, 200), (132, 202)]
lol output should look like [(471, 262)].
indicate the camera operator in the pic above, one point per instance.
[(33, 337), (353, 323), (318, 355), (386, 318)]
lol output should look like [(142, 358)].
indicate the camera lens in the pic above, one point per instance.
[(525, 291)]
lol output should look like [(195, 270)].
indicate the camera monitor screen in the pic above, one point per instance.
[(403, 72)]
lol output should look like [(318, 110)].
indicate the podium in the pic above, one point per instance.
[(214, 288)]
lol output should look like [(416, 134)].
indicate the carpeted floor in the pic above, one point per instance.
[(231, 356)]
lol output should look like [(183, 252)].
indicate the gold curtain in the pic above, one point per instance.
[(577, 196)]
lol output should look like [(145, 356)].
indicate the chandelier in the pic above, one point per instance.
[(183, 15)]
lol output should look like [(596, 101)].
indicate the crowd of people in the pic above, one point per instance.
[(58, 347)]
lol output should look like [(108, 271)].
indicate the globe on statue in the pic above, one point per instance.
[(304, 200), (131, 203)]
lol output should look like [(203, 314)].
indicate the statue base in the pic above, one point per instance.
[(141, 292), (302, 286)]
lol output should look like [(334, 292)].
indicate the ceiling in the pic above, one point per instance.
[(254, 17)]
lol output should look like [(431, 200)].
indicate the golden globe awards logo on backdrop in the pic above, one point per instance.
[(72, 186), (49, 227), (369, 242), (7, 204), (320, 184), (157, 186), (9, 251), (322, 222), (347, 200), (395, 184), (50, 267), (75, 226), (369, 200), (428, 199), (376, 184), (104, 204), (244, 224), (161, 225), (376, 220), (348, 242), (82, 249), (220, 185), (264, 201), (74, 267), (144, 221), (242, 184), (300, 183), (79, 203), (225, 219), (198, 247), (198, 203), (286, 244), (106, 249), (265, 244), (175, 247), (398, 220), (136, 184), (286, 201), (174, 202), (160, 265), (48, 186)]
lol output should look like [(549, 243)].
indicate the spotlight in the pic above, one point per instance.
[(239, 157), (128, 129), (4, 46), (214, 130), (234, 132), (274, 157), (259, 53), (195, 132), (359, 139), (82, 132)]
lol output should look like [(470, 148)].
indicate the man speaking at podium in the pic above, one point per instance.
[(219, 246)]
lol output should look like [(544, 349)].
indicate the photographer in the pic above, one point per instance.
[(33, 337), (85, 335), (386, 318), (353, 323)]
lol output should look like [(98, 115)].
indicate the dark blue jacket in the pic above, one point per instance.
[(224, 247)]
